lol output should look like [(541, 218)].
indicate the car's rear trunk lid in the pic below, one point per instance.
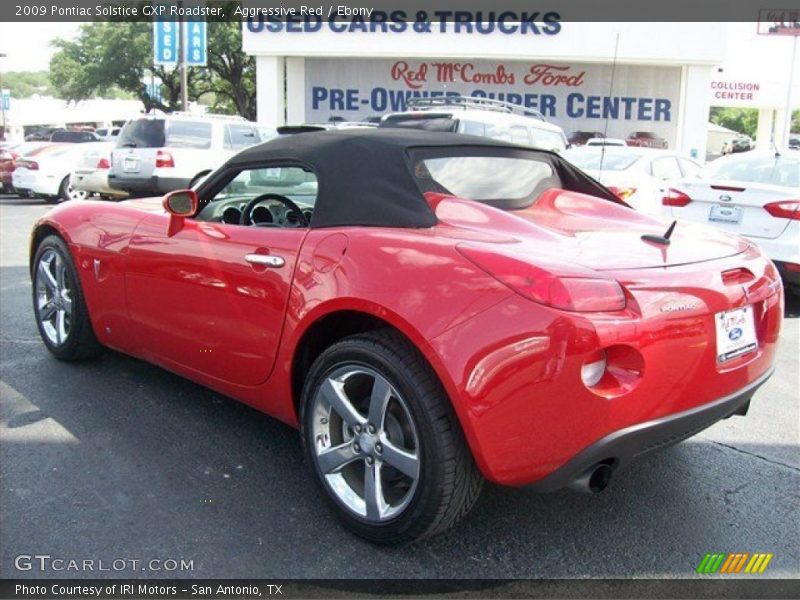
[(735, 207), (594, 233)]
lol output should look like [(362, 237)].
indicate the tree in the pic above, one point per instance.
[(118, 55), (743, 120), (24, 84)]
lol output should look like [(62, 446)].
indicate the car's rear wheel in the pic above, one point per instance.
[(66, 192), (384, 443), (58, 303)]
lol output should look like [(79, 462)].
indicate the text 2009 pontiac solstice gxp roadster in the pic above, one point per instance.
[(430, 310)]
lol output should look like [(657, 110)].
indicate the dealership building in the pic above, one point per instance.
[(616, 77)]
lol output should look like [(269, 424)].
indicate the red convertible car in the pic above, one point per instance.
[(430, 310)]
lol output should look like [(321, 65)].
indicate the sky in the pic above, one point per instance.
[(27, 45)]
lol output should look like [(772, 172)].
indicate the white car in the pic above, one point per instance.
[(47, 173), (605, 142), (156, 154), (91, 173), (639, 176), (753, 194), (484, 117)]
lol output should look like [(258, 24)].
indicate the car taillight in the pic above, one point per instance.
[(623, 193), (565, 289), (675, 198), (164, 159), (784, 209), (31, 165), (103, 164)]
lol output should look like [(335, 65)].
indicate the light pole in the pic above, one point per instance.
[(2, 99)]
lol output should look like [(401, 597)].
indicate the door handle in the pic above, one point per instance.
[(265, 260)]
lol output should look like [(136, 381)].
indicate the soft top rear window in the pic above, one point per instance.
[(507, 182), (443, 123)]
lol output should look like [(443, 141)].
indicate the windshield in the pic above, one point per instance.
[(508, 181), (591, 157), (782, 171)]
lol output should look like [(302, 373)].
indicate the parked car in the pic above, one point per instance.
[(429, 310), (739, 144), (74, 137), (639, 176), (160, 153), (646, 139), (479, 116), (580, 138), (40, 134), (91, 172), (47, 174), (755, 195), (108, 134), (10, 156), (602, 141)]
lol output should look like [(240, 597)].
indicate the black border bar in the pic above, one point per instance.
[(413, 11), (179, 589)]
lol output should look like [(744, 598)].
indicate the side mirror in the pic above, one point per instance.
[(180, 204)]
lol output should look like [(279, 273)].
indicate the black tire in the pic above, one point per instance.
[(80, 342), (449, 482)]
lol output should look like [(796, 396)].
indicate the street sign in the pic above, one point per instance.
[(165, 42), (6, 103), (196, 43)]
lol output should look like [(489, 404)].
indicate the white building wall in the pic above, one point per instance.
[(270, 96), (693, 122)]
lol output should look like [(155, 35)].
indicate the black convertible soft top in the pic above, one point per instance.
[(365, 176)]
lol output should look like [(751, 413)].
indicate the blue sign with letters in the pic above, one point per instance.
[(196, 43), (165, 42)]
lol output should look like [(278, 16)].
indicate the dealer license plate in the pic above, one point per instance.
[(736, 333), (130, 165), (725, 214)]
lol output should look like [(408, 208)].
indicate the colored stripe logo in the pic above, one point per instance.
[(734, 562)]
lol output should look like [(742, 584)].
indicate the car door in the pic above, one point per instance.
[(212, 296)]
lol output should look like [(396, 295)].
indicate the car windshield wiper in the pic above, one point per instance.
[(128, 145)]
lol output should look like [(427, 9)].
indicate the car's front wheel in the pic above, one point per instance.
[(58, 304), (384, 443)]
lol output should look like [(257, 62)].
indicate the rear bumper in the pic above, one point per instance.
[(154, 185), (94, 181), (621, 447)]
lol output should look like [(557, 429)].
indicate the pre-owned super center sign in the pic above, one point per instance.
[(573, 95)]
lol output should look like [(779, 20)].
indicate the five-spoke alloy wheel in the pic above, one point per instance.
[(58, 303), (365, 442), (383, 441)]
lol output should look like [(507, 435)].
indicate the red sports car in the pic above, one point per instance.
[(430, 310)]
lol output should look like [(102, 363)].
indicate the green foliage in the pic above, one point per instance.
[(743, 120), (117, 56), (24, 84)]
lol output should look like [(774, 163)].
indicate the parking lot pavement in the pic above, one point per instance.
[(116, 459)]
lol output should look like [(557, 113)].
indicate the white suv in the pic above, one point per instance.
[(156, 154), (480, 116)]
